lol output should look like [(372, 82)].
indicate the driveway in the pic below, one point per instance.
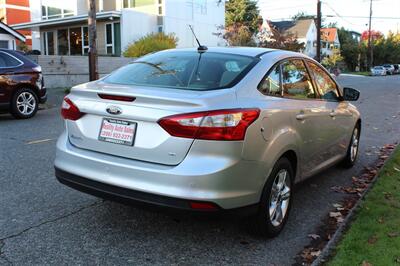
[(43, 222)]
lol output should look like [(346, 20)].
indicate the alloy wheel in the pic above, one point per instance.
[(280, 197), (26, 103), (354, 145)]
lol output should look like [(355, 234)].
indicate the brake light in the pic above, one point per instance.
[(228, 124), (69, 110), (116, 97)]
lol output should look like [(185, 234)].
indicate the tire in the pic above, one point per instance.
[(267, 222), (353, 149), (24, 103)]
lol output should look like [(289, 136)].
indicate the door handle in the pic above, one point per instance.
[(301, 117)]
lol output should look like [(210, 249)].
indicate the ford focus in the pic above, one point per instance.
[(217, 130)]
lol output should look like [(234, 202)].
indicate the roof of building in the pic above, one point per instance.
[(12, 32), (67, 20), (329, 34), (298, 28)]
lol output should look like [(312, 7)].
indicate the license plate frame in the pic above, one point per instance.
[(130, 136)]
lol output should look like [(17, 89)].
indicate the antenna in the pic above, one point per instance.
[(201, 48)]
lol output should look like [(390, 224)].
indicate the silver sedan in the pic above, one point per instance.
[(223, 129)]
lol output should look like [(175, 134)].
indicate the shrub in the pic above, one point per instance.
[(151, 43)]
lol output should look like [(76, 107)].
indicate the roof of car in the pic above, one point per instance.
[(246, 51)]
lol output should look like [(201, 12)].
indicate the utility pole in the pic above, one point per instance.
[(93, 68), (319, 22), (370, 50)]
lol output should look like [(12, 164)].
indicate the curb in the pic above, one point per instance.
[(337, 236)]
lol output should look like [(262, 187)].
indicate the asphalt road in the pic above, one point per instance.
[(44, 223)]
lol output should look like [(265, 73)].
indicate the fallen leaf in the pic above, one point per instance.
[(393, 234), (335, 214), (366, 263), (372, 240), (381, 220), (314, 236), (315, 253)]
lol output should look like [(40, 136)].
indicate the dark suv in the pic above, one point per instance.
[(21, 84)]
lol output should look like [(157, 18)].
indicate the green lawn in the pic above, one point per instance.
[(374, 236)]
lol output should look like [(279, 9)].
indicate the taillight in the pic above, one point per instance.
[(228, 124), (69, 111)]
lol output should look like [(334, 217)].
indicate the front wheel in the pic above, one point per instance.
[(24, 103), (352, 151), (276, 200)]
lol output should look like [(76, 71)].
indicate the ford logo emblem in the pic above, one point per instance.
[(114, 110)]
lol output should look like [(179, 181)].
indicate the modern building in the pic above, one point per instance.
[(329, 41), (9, 37), (304, 30), (14, 12), (60, 27)]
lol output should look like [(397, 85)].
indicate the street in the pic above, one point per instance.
[(43, 222)]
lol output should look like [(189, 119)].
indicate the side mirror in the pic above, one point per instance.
[(350, 94)]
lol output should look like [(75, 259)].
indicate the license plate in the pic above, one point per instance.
[(117, 131)]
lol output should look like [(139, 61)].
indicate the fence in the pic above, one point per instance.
[(67, 71)]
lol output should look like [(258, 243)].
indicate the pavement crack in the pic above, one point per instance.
[(2, 240)]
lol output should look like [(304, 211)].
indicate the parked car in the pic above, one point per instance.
[(21, 84), (378, 71), (208, 131), (396, 68), (389, 69)]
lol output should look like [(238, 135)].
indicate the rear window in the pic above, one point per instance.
[(184, 70)]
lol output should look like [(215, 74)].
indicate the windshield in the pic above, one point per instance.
[(184, 70)]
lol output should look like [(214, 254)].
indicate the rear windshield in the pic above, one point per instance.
[(184, 70)]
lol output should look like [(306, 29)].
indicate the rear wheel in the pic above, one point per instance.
[(352, 151), (24, 103), (276, 200)]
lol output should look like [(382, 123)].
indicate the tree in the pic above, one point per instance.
[(333, 60), (242, 20), (350, 49), (152, 42), (302, 15)]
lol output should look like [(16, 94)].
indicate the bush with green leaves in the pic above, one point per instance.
[(150, 43)]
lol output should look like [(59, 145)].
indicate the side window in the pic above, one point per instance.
[(271, 84), (326, 86), (8, 61), (296, 81)]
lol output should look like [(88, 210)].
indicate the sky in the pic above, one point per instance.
[(386, 12)]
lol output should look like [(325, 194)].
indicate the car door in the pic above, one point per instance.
[(305, 111), (337, 117), (8, 63)]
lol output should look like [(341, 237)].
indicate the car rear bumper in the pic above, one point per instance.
[(226, 182)]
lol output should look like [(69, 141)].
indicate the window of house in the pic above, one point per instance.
[(326, 86), (271, 84), (48, 43), (62, 42), (49, 12), (7, 60), (296, 81), (129, 3), (75, 40), (85, 40), (109, 39), (4, 44)]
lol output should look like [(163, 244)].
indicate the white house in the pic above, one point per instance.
[(9, 36), (60, 27), (304, 30)]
